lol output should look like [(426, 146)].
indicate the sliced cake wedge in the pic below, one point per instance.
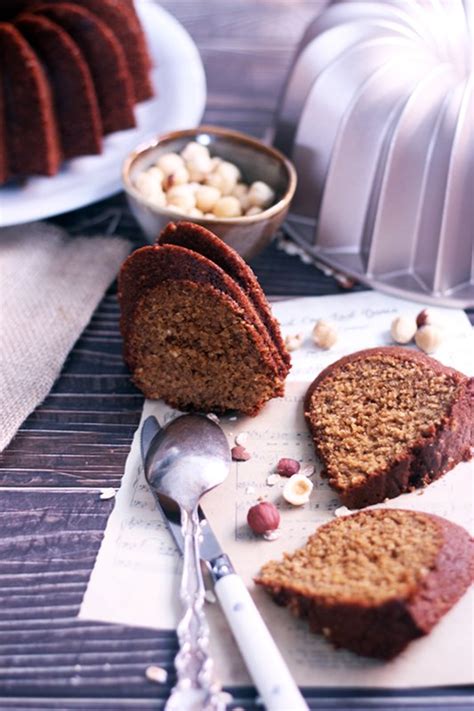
[(387, 420), (376, 580), (192, 336)]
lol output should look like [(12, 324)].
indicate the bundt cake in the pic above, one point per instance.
[(197, 329), (70, 72), (374, 581), (386, 420), (378, 115)]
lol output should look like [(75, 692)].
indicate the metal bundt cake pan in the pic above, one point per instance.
[(378, 116)]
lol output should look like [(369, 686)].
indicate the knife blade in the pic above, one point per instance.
[(262, 657)]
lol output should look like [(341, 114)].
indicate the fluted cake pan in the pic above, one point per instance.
[(377, 115)]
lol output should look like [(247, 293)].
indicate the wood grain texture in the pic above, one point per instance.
[(51, 516)]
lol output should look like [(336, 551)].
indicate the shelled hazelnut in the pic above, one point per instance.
[(198, 185), (403, 329), (428, 338), (324, 334), (297, 490)]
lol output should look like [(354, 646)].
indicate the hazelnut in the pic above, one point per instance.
[(227, 206), (199, 167), (260, 194), (254, 210), (229, 175), (425, 318), (241, 192), (239, 453), (195, 212), (206, 197), (263, 517), (150, 188), (403, 329), (170, 163), (287, 467), (297, 490), (180, 176), (294, 341), (324, 334), (181, 197), (428, 338), (193, 149)]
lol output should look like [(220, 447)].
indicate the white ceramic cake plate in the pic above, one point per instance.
[(180, 96)]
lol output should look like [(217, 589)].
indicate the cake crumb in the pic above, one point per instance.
[(156, 674), (342, 511), (241, 438), (107, 492), (272, 535), (307, 470), (273, 479), (210, 597)]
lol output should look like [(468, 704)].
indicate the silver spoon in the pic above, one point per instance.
[(187, 459)]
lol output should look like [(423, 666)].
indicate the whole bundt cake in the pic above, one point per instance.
[(197, 329), (386, 420), (374, 581), (378, 115), (70, 72)]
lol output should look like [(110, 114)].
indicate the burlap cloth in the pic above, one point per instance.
[(50, 285)]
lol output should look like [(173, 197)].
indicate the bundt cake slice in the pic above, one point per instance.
[(31, 135), (105, 58), (192, 336), (73, 95), (374, 581), (200, 240), (386, 420)]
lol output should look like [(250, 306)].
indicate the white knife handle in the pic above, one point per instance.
[(264, 661)]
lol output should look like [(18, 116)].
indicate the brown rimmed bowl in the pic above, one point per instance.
[(256, 161)]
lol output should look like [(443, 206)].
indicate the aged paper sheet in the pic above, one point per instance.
[(136, 575)]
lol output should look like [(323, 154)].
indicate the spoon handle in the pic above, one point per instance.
[(195, 688)]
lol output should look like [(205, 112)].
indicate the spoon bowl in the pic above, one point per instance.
[(186, 459)]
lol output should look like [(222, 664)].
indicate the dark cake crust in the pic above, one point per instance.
[(430, 457), (383, 631), (30, 127), (75, 102), (105, 58)]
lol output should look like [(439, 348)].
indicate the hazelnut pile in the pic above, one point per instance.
[(423, 329), (198, 185)]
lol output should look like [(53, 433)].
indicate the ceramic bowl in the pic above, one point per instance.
[(248, 235)]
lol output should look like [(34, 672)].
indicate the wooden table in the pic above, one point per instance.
[(51, 516)]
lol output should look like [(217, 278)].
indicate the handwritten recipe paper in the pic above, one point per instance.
[(136, 577)]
